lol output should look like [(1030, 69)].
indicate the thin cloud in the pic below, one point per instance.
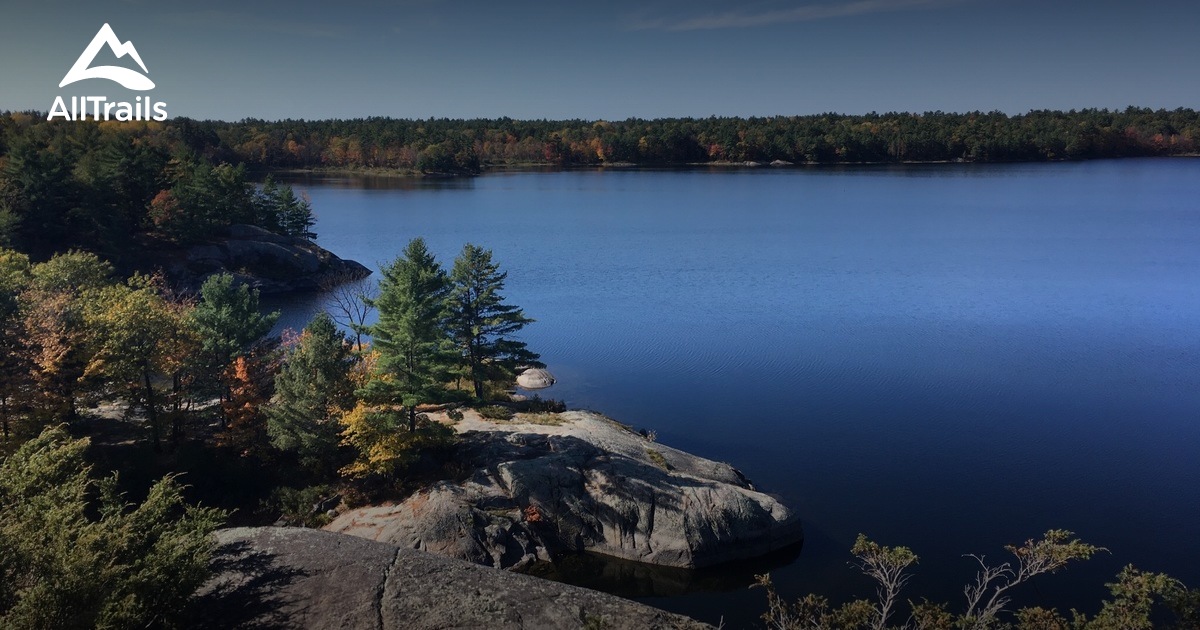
[(806, 13)]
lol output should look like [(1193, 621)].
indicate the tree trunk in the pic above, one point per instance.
[(148, 405), (176, 405), (72, 412), (476, 378), (412, 418)]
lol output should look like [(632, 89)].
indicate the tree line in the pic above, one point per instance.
[(119, 189), (467, 146), (71, 332)]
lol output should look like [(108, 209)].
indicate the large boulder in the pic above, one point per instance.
[(577, 481), (301, 578), (272, 263)]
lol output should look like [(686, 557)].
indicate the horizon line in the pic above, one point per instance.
[(934, 112)]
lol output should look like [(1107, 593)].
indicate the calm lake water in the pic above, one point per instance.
[(946, 357)]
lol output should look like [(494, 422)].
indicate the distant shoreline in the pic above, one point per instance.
[(549, 167)]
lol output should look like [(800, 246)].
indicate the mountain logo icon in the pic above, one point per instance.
[(130, 79)]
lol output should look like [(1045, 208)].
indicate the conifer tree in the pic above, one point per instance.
[(481, 324), (311, 391), (74, 553), (227, 321), (414, 354)]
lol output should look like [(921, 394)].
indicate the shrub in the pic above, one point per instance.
[(496, 412)]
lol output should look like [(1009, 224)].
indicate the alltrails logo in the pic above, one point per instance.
[(99, 107)]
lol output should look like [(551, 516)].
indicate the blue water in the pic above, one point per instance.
[(947, 357)]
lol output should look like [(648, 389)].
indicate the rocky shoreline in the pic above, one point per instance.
[(540, 485), (272, 263), (544, 484)]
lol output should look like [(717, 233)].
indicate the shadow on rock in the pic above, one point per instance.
[(244, 592)]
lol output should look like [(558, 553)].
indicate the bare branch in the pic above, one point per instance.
[(1052, 552), (888, 566), (350, 302)]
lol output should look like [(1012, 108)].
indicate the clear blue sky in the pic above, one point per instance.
[(646, 58)]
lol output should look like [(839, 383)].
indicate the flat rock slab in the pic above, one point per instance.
[(273, 577), (577, 481)]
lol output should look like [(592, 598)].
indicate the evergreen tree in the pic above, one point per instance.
[(281, 210), (414, 357), (227, 322), (481, 324), (265, 207), (14, 367), (311, 391), (295, 214), (70, 561)]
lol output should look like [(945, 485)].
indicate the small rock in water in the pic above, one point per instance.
[(535, 378)]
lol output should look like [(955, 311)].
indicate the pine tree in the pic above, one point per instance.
[(414, 354), (279, 209), (311, 391), (227, 321), (481, 324), (295, 214)]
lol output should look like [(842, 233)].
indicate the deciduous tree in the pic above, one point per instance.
[(246, 432), (134, 330)]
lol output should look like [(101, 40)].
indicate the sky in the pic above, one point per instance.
[(272, 59)]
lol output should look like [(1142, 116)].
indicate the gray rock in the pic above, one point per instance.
[(584, 484), (302, 578), (536, 378), (272, 263), (255, 233)]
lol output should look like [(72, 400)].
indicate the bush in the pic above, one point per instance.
[(496, 412), (68, 563), (1137, 597), (304, 507), (537, 404)]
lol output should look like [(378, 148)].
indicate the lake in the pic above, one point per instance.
[(948, 357)]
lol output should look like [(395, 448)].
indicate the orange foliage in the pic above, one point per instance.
[(246, 431)]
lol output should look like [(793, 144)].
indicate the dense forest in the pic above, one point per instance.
[(458, 146), (120, 189)]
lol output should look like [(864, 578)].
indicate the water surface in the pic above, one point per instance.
[(946, 357)]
